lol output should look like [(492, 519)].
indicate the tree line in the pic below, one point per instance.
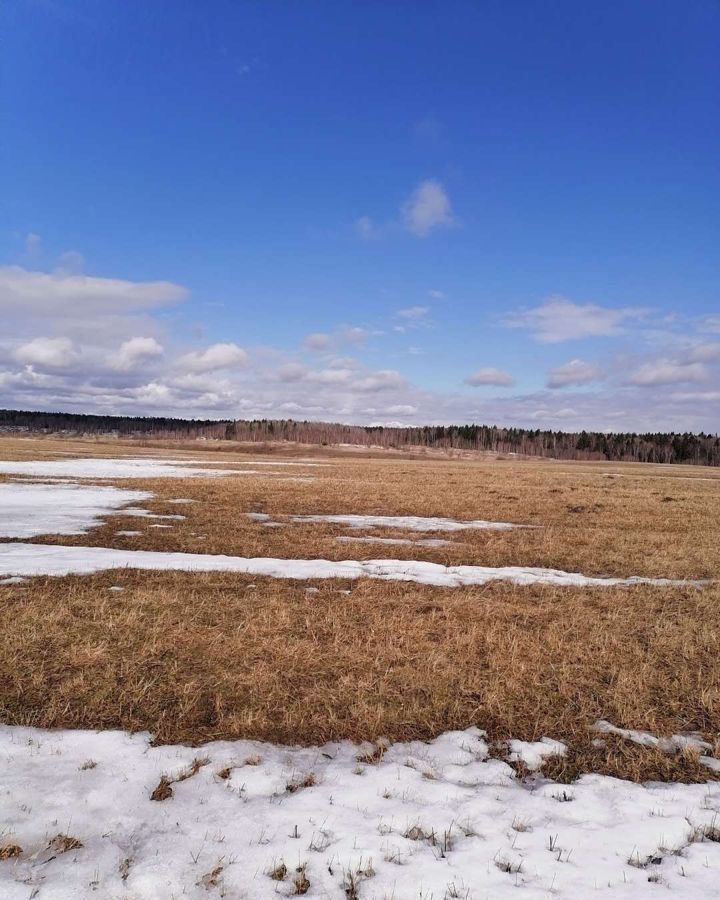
[(653, 447)]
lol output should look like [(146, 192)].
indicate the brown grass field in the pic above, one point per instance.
[(199, 657)]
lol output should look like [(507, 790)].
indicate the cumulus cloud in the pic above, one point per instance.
[(217, 356), (427, 208), (136, 351), (347, 335), (47, 353), (382, 380), (559, 319), (668, 372), (330, 376), (573, 373), (92, 344), (490, 375), (318, 340), (290, 372)]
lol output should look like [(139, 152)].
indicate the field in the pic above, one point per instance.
[(308, 660)]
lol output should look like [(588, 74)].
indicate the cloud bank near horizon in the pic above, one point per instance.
[(92, 344)]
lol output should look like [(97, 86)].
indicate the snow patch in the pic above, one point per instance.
[(45, 559), (123, 467), (28, 510), (667, 744), (409, 523), (423, 542), (533, 753), (437, 819)]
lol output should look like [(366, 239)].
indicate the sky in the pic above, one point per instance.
[(398, 213)]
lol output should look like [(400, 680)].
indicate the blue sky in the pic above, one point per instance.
[(408, 212)]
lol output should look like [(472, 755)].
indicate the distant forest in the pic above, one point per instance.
[(698, 449)]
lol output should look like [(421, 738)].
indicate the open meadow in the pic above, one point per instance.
[(523, 653)]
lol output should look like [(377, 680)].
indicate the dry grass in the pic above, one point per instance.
[(195, 658), (198, 657)]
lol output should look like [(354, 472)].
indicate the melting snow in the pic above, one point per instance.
[(438, 819), (124, 467), (44, 559), (410, 523), (532, 753), (137, 512), (27, 510), (667, 744), (423, 542)]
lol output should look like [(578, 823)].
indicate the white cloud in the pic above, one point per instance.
[(413, 313), (352, 335), (290, 372), (437, 295), (401, 409), (154, 394), (668, 372), (382, 380), (427, 208), (331, 376), (711, 323), (709, 396), (559, 319), (92, 344), (28, 377), (318, 340), (135, 351), (706, 353), (217, 356), (47, 353), (573, 373), (490, 375), (59, 294)]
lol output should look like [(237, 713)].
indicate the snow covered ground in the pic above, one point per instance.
[(27, 510), (46, 559), (250, 820)]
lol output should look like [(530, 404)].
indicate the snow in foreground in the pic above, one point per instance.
[(436, 820), (27, 510), (46, 559)]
